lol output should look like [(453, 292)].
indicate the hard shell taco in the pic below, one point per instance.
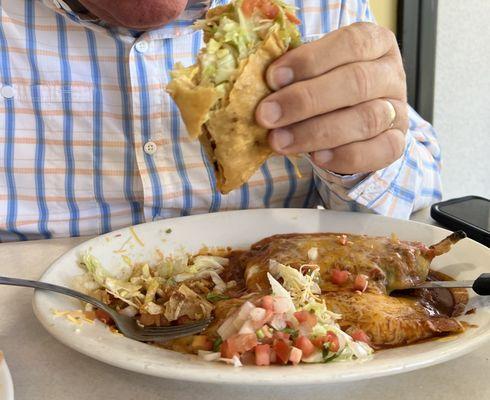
[(218, 95)]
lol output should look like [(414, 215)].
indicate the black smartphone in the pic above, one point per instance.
[(470, 214)]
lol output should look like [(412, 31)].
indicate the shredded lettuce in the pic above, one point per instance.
[(232, 37), (143, 288)]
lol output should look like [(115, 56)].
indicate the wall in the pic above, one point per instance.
[(462, 96), (385, 12)]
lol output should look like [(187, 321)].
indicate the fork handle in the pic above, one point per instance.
[(55, 288), (481, 285)]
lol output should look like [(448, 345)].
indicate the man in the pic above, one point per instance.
[(92, 142)]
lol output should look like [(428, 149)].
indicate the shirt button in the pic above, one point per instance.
[(7, 92), (150, 148), (142, 46)]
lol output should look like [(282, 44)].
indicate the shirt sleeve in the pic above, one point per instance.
[(409, 184)]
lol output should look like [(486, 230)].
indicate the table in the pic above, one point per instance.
[(43, 368)]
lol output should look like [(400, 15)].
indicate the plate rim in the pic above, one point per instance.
[(234, 378), (9, 384)]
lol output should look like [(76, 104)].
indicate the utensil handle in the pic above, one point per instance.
[(482, 285), (54, 288)]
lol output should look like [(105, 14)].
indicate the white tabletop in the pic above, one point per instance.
[(43, 368)]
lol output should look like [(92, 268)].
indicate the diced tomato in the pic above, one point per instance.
[(267, 302), (201, 342), (282, 350), (306, 317), (282, 335), (248, 7), (104, 317), (262, 354), (273, 356), (295, 355), (239, 344), (330, 338), (360, 336), (361, 282), (339, 277), (269, 10), (334, 342), (293, 18), (305, 345), (226, 350)]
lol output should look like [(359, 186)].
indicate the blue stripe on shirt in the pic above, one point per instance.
[(269, 184), (325, 16), (68, 127), (128, 130), (293, 184), (8, 153), (300, 14), (244, 196), (97, 134), (36, 105), (311, 190), (215, 194), (175, 131)]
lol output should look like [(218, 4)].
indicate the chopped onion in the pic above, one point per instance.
[(227, 328), (236, 361), (245, 310), (257, 314), (281, 304), (295, 355), (208, 355), (247, 327), (219, 284), (278, 322), (316, 357)]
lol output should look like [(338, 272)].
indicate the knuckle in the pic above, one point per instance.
[(307, 59), (360, 80), (355, 40), (371, 121), (307, 99), (391, 37)]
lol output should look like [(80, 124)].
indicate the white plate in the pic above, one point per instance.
[(240, 229), (6, 385)]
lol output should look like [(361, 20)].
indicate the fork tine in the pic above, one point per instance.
[(178, 329)]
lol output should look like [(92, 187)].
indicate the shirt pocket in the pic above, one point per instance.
[(53, 139)]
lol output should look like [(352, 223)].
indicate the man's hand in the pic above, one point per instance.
[(341, 98)]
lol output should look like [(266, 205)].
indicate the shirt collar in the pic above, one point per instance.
[(181, 26)]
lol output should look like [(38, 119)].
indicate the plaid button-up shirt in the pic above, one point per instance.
[(90, 141)]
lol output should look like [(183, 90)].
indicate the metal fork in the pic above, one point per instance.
[(126, 325)]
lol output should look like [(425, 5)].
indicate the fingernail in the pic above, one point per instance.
[(281, 77), (282, 139), (270, 112), (323, 156)]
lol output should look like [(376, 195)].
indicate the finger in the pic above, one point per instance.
[(343, 87), (362, 41), (358, 123), (363, 157)]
